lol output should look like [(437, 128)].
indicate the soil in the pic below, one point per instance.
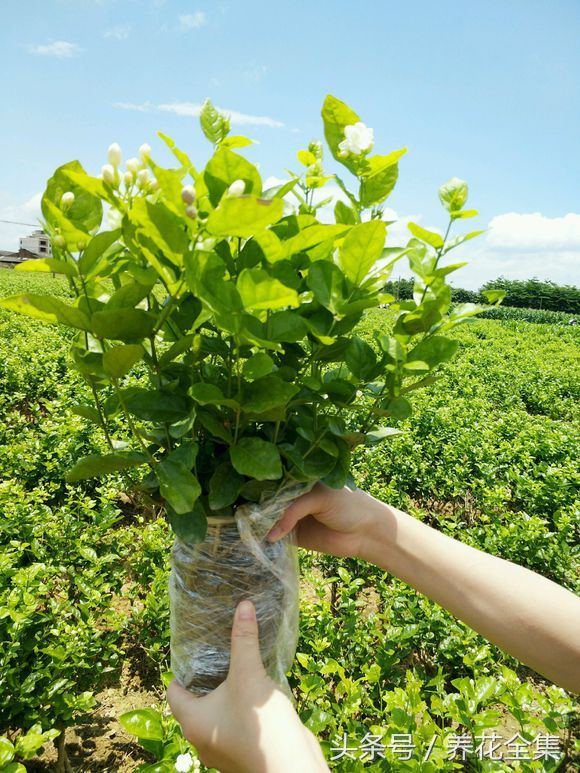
[(100, 743)]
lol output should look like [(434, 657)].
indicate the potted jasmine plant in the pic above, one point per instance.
[(219, 319)]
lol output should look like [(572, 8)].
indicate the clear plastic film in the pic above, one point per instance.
[(209, 579)]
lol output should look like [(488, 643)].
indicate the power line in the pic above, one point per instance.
[(17, 222)]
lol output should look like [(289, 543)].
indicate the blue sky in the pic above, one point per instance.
[(487, 91)]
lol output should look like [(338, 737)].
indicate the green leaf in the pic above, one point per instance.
[(379, 177), (189, 527), (361, 249), (128, 295), (305, 157), (156, 405), (336, 116), (494, 296), (244, 215), (14, 767), (344, 214), (29, 745), (224, 486), (87, 412), (214, 125), (269, 245), (257, 459), (123, 324), (327, 283), (259, 291), (47, 309), (95, 249), (163, 227), (119, 360), (224, 168), (430, 237), (209, 394), (95, 465), (382, 433), (6, 751), (434, 350), (182, 157), (86, 212), (177, 485), (144, 723), (453, 194), (47, 266), (360, 359), (267, 393), (399, 408), (287, 326), (464, 213), (236, 141), (258, 365)]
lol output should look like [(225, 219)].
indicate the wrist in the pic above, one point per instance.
[(381, 531)]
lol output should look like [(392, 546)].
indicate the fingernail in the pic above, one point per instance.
[(274, 534), (246, 611)]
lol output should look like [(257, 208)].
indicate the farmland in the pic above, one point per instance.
[(490, 456)]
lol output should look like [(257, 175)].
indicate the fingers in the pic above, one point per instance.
[(307, 504), (182, 703), (245, 658)]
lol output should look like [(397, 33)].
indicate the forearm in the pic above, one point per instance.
[(525, 614)]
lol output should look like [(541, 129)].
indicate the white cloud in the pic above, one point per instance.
[(27, 212), (120, 32), (192, 21), (516, 246), (193, 109), (535, 232), (60, 49)]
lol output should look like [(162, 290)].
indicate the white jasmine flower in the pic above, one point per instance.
[(188, 194), (133, 165), (184, 763), (128, 178), (114, 154), (143, 179), (144, 152), (191, 211), (359, 138), (67, 200), (237, 188), (108, 172)]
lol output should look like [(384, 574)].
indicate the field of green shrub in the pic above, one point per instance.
[(384, 677)]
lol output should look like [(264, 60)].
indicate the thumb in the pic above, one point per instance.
[(245, 658)]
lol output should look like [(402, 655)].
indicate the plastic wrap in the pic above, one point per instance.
[(209, 579)]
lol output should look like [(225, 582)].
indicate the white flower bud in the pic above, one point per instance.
[(128, 178), (188, 194), (237, 188), (191, 211), (133, 165), (154, 184), (108, 172), (143, 179), (67, 200), (144, 152), (114, 154)]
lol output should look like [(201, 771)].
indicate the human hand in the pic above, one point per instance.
[(246, 725), (336, 521)]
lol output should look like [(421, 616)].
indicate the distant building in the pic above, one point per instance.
[(38, 243)]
